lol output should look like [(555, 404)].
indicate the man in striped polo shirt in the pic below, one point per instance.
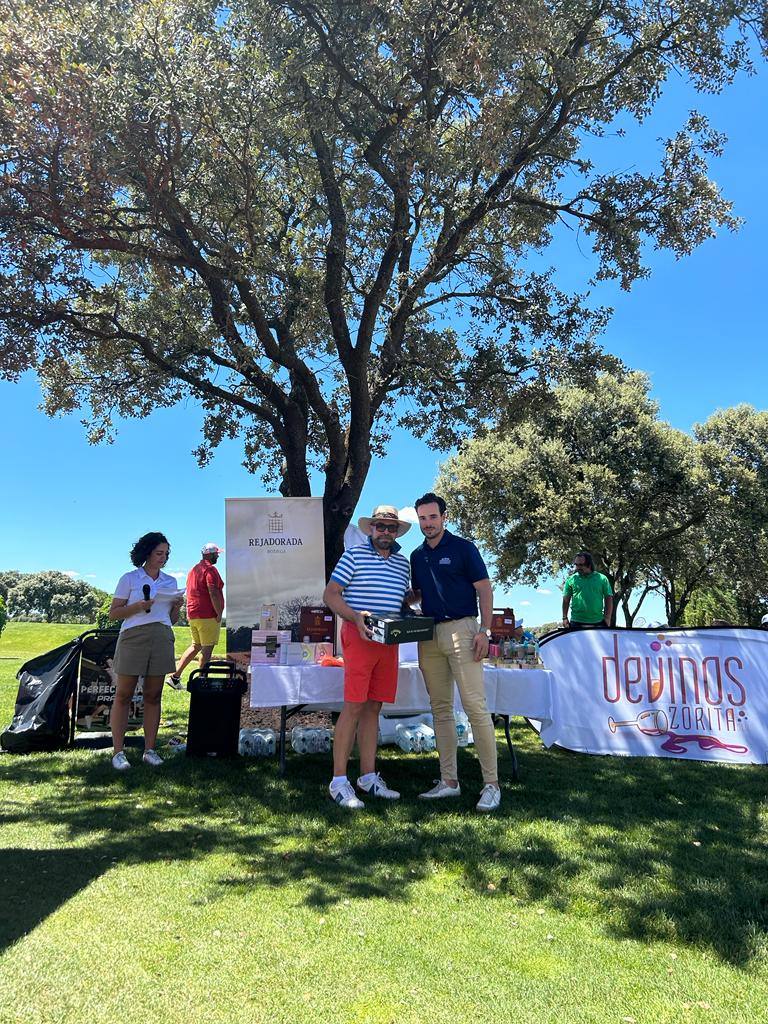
[(369, 579)]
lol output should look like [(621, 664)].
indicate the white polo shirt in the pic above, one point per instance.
[(130, 587)]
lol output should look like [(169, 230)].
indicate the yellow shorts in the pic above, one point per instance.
[(205, 632)]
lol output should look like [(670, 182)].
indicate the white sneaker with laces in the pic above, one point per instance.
[(440, 790), (174, 682), (378, 787), (120, 762), (490, 798), (344, 796), (152, 758)]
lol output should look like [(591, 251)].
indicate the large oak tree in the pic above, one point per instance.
[(275, 207), (662, 511)]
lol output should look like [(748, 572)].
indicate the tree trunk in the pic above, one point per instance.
[(337, 513)]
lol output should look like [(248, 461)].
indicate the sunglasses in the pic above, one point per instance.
[(386, 527)]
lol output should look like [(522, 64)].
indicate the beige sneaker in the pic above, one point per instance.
[(439, 790), (490, 798)]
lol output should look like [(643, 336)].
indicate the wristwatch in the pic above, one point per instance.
[(486, 631)]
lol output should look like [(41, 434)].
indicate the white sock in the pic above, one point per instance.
[(338, 781), (365, 779)]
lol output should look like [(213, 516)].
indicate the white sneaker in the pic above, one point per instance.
[(490, 798), (174, 682), (152, 758), (378, 787), (120, 762), (344, 796), (439, 790)]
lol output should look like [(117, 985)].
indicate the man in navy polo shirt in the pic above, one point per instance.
[(448, 575)]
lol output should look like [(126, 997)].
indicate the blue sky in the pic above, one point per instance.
[(696, 326)]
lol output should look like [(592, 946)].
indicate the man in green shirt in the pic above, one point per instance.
[(590, 593)]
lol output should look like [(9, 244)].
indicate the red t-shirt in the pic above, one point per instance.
[(199, 604)]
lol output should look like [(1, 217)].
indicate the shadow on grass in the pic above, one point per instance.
[(35, 883), (647, 849)]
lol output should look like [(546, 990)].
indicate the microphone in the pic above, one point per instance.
[(145, 590)]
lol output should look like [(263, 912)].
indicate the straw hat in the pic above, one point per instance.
[(384, 514)]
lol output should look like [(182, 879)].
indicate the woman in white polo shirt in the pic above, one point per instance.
[(148, 602)]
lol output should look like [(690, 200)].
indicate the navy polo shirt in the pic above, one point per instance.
[(446, 575)]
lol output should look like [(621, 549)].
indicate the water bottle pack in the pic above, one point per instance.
[(463, 730), (416, 739), (310, 741), (257, 743)]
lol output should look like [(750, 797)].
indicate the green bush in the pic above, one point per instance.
[(103, 620)]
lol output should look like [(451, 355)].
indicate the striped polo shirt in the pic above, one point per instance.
[(372, 583)]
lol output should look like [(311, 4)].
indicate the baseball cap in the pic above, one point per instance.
[(211, 549)]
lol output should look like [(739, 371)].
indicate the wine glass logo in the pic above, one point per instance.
[(651, 723), (655, 723)]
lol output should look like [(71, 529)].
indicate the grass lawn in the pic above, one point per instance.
[(606, 890)]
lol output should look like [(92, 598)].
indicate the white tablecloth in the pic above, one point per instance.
[(523, 691)]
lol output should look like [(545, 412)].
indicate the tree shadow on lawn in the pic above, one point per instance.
[(649, 849)]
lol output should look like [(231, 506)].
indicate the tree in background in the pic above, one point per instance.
[(274, 207), (741, 605), (704, 606), (726, 555), (53, 597), (103, 620), (596, 469), (3, 615), (8, 578), (546, 627)]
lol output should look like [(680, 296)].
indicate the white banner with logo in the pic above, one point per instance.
[(275, 564), (700, 694)]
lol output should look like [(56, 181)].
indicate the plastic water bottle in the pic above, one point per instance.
[(426, 737), (310, 741), (463, 730), (407, 738), (257, 743)]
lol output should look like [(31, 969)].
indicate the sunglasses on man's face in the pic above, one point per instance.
[(386, 527)]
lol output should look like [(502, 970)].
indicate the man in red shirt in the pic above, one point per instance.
[(205, 605)]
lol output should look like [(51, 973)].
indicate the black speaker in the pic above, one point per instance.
[(214, 709)]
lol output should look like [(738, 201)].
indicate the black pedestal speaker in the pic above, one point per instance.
[(214, 709)]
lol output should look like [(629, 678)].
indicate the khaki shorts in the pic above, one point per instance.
[(145, 651), (205, 632)]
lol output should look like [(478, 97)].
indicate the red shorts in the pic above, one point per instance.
[(370, 668)]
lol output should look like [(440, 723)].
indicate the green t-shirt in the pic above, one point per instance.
[(587, 594)]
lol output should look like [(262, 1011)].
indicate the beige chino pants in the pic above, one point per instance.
[(447, 657)]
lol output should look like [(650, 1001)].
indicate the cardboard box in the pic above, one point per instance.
[(266, 645), (302, 654), (316, 624), (503, 623), (295, 654), (322, 650), (268, 617), (400, 631)]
